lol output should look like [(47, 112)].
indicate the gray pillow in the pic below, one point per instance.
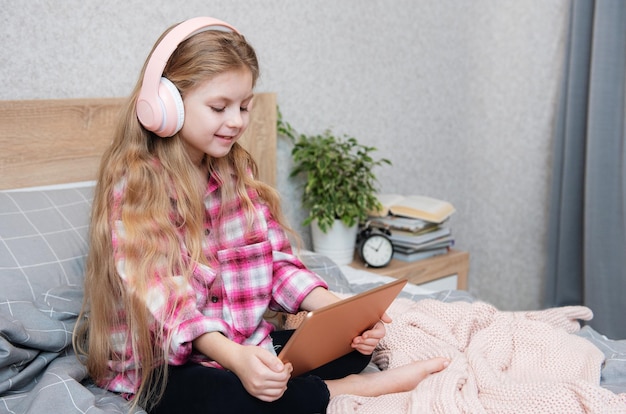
[(43, 243), (43, 240), (327, 269)]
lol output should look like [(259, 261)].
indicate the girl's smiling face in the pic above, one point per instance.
[(216, 114)]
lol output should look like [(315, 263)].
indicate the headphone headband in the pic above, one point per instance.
[(152, 106)]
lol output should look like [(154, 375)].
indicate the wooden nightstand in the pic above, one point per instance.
[(455, 262)]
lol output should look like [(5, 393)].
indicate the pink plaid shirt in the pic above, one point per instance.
[(255, 270)]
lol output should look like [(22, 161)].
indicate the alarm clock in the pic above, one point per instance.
[(374, 248)]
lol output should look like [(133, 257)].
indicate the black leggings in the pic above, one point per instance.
[(194, 388)]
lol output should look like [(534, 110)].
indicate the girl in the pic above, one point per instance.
[(188, 250)]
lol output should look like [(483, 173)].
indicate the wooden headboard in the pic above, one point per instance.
[(46, 142)]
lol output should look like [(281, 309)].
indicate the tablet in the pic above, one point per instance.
[(326, 333)]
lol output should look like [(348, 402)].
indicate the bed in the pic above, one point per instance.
[(536, 361)]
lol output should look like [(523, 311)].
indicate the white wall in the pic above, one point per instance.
[(460, 95)]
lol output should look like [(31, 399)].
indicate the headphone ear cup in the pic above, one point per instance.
[(172, 107)]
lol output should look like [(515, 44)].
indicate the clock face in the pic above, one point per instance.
[(377, 250)]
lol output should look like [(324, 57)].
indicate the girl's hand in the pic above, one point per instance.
[(262, 374), (368, 340)]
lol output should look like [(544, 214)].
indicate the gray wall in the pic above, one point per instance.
[(460, 95)]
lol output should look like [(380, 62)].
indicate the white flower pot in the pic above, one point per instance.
[(337, 243)]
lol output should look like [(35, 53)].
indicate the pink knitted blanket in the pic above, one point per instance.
[(501, 362)]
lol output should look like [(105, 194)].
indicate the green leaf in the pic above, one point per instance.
[(338, 172)]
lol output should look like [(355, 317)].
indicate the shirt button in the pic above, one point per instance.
[(214, 299)]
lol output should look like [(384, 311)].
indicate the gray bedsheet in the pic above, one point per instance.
[(39, 372)]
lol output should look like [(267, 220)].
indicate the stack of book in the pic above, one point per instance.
[(416, 225)]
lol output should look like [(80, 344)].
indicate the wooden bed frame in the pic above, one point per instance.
[(44, 142)]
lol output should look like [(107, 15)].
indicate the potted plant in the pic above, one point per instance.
[(339, 189)]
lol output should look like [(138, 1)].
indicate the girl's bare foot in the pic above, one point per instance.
[(400, 379)]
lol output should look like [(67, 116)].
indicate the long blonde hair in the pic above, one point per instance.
[(155, 169)]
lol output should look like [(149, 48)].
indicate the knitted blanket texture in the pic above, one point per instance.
[(501, 362)]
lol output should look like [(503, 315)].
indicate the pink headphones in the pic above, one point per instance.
[(159, 105)]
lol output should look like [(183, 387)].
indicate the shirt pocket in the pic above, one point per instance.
[(246, 275)]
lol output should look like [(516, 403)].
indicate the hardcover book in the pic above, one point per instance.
[(415, 206)]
